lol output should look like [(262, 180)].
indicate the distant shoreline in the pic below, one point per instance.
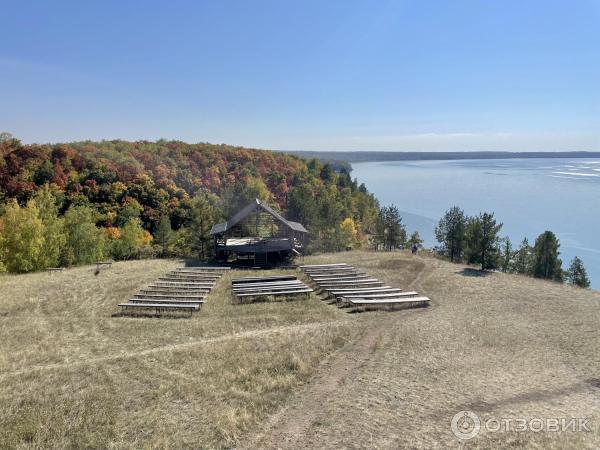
[(339, 158)]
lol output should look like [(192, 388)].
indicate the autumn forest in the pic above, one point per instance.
[(74, 203)]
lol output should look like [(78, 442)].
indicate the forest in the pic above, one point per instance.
[(347, 157), (73, 203)]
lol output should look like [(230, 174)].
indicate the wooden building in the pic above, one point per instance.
[(259, 235)]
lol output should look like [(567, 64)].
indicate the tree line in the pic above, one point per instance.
[(68, 204), (477, 240)]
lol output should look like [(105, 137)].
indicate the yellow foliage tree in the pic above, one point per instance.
[(22, 249), (113, 232), (348, 232), (132, 239)]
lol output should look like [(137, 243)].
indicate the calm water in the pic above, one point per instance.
[(528, 196)]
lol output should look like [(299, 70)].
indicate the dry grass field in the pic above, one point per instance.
[(295, 374)]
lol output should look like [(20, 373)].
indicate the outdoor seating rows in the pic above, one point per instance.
[(183, 289), (263, 287), (353, 288)]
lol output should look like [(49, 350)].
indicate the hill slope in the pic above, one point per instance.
[(499, 345)]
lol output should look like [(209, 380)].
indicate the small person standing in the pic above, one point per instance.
[(414, 249)]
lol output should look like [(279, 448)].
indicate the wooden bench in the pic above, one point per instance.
[(353, 277), (170, 301), (350, 282), (390, 302), (269, 288), (367, 291), (336, 270), (196, 273), (252, 280), (185, 282), (370, 284), (194, 276), (380, 295), (172, 289), (347, 289), (171, 296), (183, 287), (267, 284), (348, 273), (243, 296), (55, 269), (322, 269), (345, 273), (330, 285), (160, 307), (103, 263), (279, 283), (345, 298), (275, 293), (311, 266)]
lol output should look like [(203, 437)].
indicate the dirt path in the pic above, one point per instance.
[(166, 348), (416, 282), (290, 427), (285, 428)]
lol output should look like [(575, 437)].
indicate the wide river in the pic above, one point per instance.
[(528, 196)]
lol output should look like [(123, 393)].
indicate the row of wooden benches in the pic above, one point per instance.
[(253, 288), (184, 289), (354, 288)]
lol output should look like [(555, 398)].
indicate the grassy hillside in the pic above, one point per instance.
[(294, 374), (74, 375)]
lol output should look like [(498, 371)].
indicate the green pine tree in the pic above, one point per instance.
[(482, 241), (390, 232), (163, 235), (415, 239), (577, 275), (523, 258), (396, 231), (205, 213), (506, 256), (546, 261), (450, 232)]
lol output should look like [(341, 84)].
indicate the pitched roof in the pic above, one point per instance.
[(249, 209)]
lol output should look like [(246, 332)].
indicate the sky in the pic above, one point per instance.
[(305, 75)]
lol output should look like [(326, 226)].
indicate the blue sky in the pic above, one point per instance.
[(313, 75)]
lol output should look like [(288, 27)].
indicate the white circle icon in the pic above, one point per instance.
[(465, 425)]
